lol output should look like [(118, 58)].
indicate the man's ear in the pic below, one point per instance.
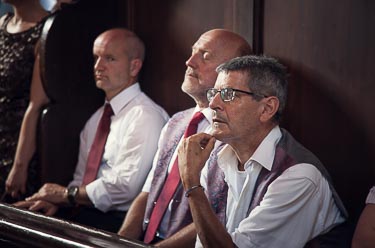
[(135, 67), (270, 108)]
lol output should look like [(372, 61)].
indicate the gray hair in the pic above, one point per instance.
[(267, 77)]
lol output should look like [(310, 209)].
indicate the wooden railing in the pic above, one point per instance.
[(21, 228)]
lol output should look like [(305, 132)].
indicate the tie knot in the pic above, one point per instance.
[(107, 110), (193, 124), (197, 117)]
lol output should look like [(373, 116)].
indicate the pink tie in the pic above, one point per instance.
[(97, 147), (170, 186)]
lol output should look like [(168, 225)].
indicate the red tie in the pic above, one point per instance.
[(170, 186), (97, 147)]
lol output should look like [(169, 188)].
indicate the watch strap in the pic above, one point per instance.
[(72, 193)]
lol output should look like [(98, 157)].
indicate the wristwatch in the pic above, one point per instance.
[(72, 192)]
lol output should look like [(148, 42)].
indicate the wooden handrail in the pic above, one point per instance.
[(29, 229)]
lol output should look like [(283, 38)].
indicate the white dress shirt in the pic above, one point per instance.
[(203, 127), (129, 150), (297, 206)]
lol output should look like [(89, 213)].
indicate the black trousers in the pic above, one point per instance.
[(110, 221)]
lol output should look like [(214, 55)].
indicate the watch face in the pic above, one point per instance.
[(72, 193)]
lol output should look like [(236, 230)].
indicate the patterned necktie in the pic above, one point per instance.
[(170, 186), (97, 147)]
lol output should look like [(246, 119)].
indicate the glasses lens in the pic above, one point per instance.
[(211, 94), (227, 94)]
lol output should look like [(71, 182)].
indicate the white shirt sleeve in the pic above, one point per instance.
[(128, 156), (297, 207)]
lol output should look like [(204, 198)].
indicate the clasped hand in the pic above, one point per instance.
[(45, 200), (192, 156)]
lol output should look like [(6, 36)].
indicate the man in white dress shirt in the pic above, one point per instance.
[(279, 194), (130, 146)]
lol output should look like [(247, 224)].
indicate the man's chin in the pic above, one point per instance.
[(100, 84), (187, 86), (217, 134)]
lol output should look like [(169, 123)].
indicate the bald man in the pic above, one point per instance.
[(175, 227), (105, 192)]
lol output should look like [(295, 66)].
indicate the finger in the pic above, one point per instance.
[(8, 187), (51, 211), (15, 194), (36, 206), (210, 144), (23, 204), (47, 208), (34, 197)]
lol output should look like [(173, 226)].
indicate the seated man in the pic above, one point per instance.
[(112, 167), (151, 218), (279, 193), (364, 235)]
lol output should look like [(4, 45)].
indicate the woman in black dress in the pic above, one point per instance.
[(21, 96)]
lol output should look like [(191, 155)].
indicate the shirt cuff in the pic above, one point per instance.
[(98, 195)]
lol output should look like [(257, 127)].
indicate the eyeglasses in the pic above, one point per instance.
[(227, 94)]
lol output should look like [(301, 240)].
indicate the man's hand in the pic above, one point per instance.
[(45, 207), (50, 192), (192, 156)]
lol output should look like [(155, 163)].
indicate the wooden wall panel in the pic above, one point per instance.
[(328, 47)]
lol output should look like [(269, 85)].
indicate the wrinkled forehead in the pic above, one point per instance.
[(222, 80), (207, 42), (231, 79)]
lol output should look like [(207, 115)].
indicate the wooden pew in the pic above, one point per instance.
[(21, 228)]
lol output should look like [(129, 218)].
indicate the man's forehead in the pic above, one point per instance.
[(221, 79), (205, 42), (108, 43), (101, 42), (230, 77)]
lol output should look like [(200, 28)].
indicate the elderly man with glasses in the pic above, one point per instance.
[(280, 195)]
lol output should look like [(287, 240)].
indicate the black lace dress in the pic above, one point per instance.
[(17, 55)]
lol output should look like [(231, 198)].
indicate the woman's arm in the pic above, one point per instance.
[(16, 181)]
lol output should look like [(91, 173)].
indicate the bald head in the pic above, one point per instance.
[(213, 48), (233, 43), (129, 41), (119, 55)]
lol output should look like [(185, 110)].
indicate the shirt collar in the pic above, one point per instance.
[(207, 112), (263, 155), (124, 97)]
